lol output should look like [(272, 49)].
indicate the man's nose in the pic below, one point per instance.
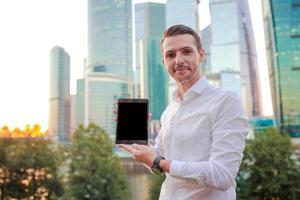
[(179, 59)]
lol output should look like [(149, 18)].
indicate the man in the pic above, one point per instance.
[(202, 137)]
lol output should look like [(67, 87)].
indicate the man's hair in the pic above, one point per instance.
[(180, 29)]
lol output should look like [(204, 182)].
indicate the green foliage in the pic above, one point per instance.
[(95, 172), (29, 169), (270, 169), (155, 186)]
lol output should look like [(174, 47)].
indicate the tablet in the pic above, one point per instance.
[(132, 121)]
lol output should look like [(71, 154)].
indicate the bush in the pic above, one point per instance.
[(155, 186), (270, 169)]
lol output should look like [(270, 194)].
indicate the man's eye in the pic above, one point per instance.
[(170, 55), (187, 51)]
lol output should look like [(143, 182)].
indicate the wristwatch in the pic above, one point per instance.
[(155, 165)]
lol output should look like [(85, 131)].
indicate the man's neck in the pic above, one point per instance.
[(183, 87)]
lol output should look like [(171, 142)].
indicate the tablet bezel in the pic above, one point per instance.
[(128, 100)]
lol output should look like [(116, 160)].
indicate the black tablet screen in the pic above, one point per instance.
[(132, 121)]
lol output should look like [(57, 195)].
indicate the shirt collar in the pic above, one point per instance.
[(198, 88)]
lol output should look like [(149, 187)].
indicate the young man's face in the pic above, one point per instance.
[(182, 58)]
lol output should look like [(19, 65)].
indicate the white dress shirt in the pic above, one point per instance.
[(204, 137)]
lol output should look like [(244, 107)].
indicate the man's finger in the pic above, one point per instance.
[(138, 146), (129, 149), (150, 116)]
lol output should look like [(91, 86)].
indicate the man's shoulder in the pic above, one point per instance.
[(172, 105), (218, 95)]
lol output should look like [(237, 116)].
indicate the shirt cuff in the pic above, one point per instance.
[(176, 168)]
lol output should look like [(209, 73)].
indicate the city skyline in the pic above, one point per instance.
[(26, 42)]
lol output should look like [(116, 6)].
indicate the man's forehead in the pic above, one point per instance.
[(178, 42)]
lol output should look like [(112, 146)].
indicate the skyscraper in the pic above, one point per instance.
[(234, 50), (282, 36), (109, 63), (78, 103), (79, 112), (206, 41), (59, 94), (181, 12), (150, 75), (72, 113)]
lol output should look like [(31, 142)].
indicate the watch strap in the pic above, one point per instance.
[(155, 165)]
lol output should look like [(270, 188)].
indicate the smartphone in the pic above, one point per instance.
[(132, 121)]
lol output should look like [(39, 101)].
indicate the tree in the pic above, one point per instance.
[(155, 186), (270, 169), (95, 171), (28, 165), (29, 169)]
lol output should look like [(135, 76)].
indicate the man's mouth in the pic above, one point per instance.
[(180, 69)]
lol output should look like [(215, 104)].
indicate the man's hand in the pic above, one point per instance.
[(141, 153)]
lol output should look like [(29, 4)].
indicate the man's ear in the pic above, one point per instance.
[(162, 55), (163, 60), (202, 55)]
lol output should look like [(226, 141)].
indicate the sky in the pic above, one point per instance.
[(29, 29)]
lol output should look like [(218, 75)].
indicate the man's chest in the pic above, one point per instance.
[(187, 133)]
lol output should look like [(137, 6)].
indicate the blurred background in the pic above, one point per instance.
[(64, 63)]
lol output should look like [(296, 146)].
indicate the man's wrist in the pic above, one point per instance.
[(165, 165), (155, 167)]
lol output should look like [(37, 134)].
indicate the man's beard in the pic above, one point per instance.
[(186, 78)]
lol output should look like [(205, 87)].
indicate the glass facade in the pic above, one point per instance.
[(79, 108), (151, 77), (283, 50), (231, 81), (182, 12), (228, 80), (235, 51), (104, 91), (59, 94), (109, 59), (109, 37), (206, 41), (155, 78)]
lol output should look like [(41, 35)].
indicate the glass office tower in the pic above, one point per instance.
[(150, 75), (183, 12), (103, 92), (79, 103), (59, 94), (108, 73), (282, 33), (233, 49), (109, 37), (206, 41)]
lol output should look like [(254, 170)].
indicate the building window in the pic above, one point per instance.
[(295, 36)]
